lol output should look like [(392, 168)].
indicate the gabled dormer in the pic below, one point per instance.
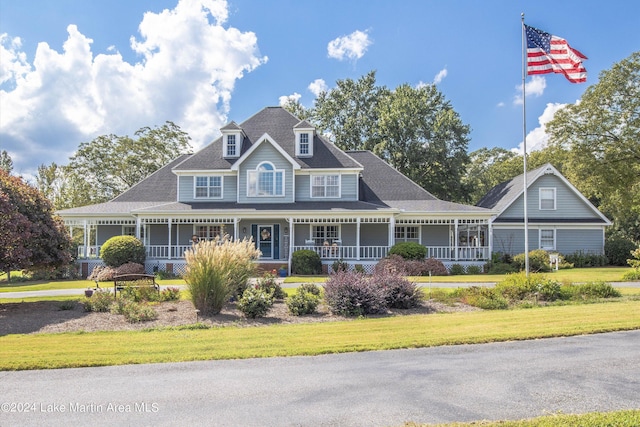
[(304, 133), (232, 137)]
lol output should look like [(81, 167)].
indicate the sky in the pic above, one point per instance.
[(71, 70)]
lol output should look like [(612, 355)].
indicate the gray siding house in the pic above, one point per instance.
[(273, 178), (560, 218)]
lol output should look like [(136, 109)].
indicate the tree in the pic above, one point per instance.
[(111, 164), (423, 137), (602, 134), (297, 109), (414, 129), (64, 188), (349, 113), (6, 163), (30, 236)]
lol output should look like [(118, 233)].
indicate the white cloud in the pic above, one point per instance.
[(534, 87), (285, 99), (186, 75), (537, 139), (317, 87), (440, 76), (352, 46)]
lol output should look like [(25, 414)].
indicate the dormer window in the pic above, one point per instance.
[(304, 144), (232, 137), (304, 139), (232, 148)]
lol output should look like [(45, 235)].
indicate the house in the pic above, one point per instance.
[(275, 179), (560, 219)]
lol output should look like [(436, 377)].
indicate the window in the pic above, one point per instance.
[(231, 146), (130, 230), (208, 187), (547, 239), (304, 144), (325, 186), (325, 233), (208, 232), (265, 181), (407, 234), (547, 199)]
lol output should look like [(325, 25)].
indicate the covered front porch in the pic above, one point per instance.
[(358, 240)]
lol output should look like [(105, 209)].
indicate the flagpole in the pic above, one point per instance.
[(524, 147)]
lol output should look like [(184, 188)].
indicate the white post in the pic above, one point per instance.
[(358, 239), (455, 240), (524, 148), (169, 227)]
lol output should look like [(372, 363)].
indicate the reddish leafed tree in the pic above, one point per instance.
[(30, 235)]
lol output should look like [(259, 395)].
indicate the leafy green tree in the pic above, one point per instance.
[(111, 164), (601, 132), (64, 188), (30, 235), (6, 163), (349, 112), (297, 109), (423, 137)]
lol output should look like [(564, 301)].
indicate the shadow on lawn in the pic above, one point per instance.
[(29, 317)]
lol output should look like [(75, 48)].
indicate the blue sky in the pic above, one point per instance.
[(71, 70)]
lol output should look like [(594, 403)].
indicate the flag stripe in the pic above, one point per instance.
[(547, 53)]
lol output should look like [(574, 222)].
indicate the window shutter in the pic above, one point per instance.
[(276, 241)]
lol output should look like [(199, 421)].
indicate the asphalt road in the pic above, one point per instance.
[(510, 380)]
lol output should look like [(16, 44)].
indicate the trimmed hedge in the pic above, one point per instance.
[(120, 250)]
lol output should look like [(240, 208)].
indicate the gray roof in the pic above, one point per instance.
[(278, 123), (503, 194)]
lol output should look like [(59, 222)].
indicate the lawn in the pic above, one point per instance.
[(46, 351)]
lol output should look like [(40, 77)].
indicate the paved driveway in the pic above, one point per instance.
[(458, 383)]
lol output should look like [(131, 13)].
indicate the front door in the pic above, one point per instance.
[(265, 238)]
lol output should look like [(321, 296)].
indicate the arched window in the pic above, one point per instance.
[(265, 181)]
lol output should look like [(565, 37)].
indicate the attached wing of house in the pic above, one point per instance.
[(274, 179), (560, 218)]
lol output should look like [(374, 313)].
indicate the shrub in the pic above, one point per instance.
[(359, 268), (67, 305), (581, 259), (548, 290), (351, 294), (474, 269), (215, 269), (170, 294), (269, 284), (140, 293), (481, 297), (399, 292), (634, 262), (255, 302), (617, 249), (130, 268), (119, 250), (409, 250), (518, 286), (134, 312), (305, 300), (538, 261), (597, 289), (456, 270), (306, 262), (395, 263), (500, 268), (100, 301), (632, 275), (339, 265)]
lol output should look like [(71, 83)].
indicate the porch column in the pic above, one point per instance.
[(86, 239), (358, 239), (138, 223), (169, 239), (455, 239), (392, 229), (235, 228), (291, 240), (490, 236)]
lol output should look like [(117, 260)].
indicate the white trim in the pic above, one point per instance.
[(325, 175), (254, 147), (540, 199), (195, 187), (547, 248)]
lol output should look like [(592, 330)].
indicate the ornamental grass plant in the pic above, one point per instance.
[(216, 268)]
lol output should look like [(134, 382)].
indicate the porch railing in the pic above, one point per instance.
[(445, 253)]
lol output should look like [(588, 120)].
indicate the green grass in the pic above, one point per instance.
[(606, 274), (624, 418), (43, 285), (45, 351), (36, 299)]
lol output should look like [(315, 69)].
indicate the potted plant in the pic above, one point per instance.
[(283, 271), (88, 292)]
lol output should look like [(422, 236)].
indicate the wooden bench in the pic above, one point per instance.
[(133, 281)]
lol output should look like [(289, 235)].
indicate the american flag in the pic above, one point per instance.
[(547, 53)]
